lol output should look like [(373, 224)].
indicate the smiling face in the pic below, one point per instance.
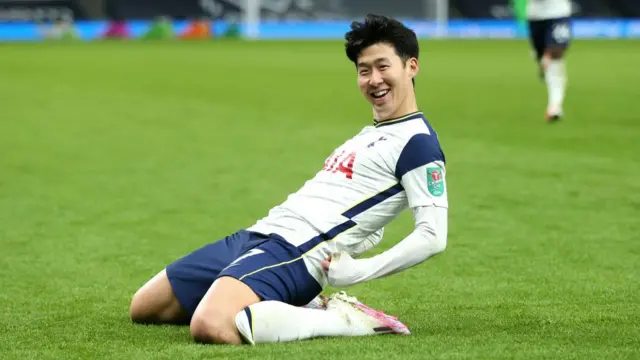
[(385, 80)]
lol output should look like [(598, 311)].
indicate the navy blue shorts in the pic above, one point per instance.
[(544, 34), (269, 265)]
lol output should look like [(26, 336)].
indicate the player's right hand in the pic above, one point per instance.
[(344, 270), (326, 264)]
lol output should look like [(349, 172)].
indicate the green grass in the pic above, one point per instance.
[(118, 158)]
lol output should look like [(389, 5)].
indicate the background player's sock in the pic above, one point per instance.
[(274, 321), (556, 79)]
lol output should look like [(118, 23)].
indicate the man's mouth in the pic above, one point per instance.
[(379, 94)]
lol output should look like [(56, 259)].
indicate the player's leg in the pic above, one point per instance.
[(275, 321), (214, 319), (172, 295), (557, 42), (537, 42), (272, 270), (269, 295), (155, 303)]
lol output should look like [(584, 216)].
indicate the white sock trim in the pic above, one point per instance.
[(244, 324)]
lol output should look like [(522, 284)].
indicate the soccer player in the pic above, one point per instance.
[(550, 34), (255, 285)]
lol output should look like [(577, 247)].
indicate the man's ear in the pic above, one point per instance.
[(413, 66)]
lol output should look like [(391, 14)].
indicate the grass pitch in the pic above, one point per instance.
[(118, 158)]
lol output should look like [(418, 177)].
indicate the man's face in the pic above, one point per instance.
[(385, 79)]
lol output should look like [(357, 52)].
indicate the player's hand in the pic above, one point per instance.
[(326, 264), (343, 270)]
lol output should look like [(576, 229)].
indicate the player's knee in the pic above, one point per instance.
[(145, 308), (213, 329), (155, 302), (140, 310), (137, 309)]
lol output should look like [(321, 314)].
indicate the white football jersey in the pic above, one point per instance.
[(548, 9), (364, 184)]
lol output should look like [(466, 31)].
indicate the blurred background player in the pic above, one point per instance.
[(550, 34)]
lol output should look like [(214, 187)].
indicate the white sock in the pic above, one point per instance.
[(556, 79), (274, 321)]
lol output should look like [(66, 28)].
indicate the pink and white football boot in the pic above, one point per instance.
[(366, 320)]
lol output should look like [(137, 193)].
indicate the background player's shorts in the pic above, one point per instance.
[(551, 32), (268, 264)]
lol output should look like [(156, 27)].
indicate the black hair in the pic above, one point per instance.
[(381, 29)]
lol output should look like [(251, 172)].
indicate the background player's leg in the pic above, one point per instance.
[(556, 79), (155, 303), (555, 72), (214, 318), (537, 41)]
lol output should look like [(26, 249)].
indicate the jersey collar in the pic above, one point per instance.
[(410, 116)]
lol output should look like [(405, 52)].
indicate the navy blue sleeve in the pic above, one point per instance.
[(420, 150)]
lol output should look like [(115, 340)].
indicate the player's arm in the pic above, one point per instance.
[(371, 241), (428, 239), (422, 174)]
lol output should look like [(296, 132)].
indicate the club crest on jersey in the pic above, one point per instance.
[(435, 182)]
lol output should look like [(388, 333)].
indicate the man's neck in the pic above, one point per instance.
[(409, 106)]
